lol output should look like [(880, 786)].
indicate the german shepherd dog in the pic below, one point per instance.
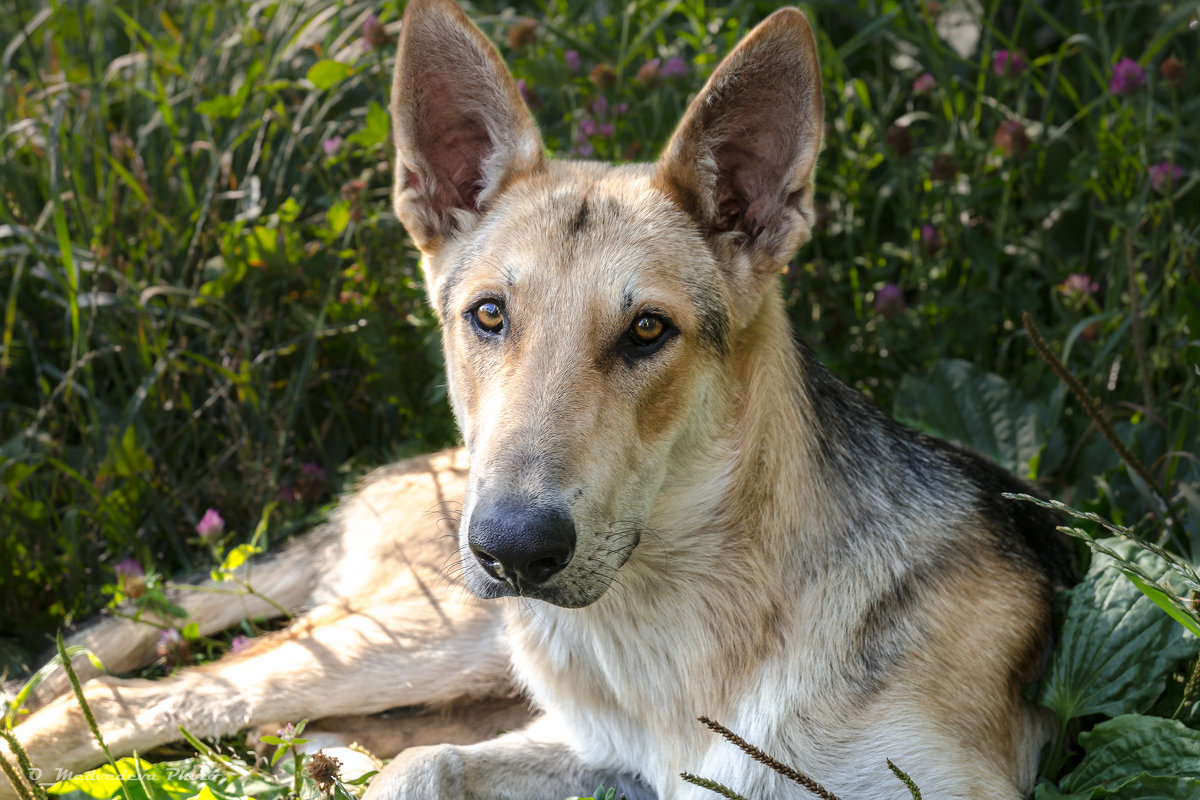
[(670, 509)]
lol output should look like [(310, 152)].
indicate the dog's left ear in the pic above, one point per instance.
[(741, 162)]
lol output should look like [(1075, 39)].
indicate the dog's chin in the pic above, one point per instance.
[(485, 587)]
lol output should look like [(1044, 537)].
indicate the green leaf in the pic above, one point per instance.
[(327, 72), (105, 782), (1134, 758), (338, 217), (1116, 647), (959, 401), (361, 780), (376, 131), (1163, 601), (191, 631), (14, 707), (223, 107), (288, 210), (238, 556)]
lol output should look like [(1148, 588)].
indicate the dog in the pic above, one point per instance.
[(665, 506)]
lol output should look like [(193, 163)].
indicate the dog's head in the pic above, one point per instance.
[(589, 312)]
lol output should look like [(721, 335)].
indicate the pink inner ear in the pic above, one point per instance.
[(455, 144), (461, 155), (752, 172)]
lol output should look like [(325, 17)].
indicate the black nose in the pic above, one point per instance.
[(520, 544)]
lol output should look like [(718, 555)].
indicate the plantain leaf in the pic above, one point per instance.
[(959, 401), (1132, 757), (1116, 646)]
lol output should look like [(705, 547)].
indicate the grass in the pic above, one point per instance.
[(205, 301)]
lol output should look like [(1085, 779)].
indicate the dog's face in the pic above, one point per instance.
[(587, 310)]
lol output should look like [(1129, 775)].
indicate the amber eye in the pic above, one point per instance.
[(647, 329), (489, 316)]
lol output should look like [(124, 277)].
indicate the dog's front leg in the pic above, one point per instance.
[(334, 660), (529, 764)]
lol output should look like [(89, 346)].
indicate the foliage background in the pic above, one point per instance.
[(206, 302)]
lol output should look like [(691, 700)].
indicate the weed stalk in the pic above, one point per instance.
[(23, 762), (758, 755), (712, 786), (87, 711)]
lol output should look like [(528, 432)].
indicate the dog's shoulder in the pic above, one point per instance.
[(864, 448)]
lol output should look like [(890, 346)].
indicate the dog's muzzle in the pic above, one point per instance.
[(520, 545)]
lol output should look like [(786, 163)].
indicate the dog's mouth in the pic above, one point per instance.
[(577, 584), (490, 588)]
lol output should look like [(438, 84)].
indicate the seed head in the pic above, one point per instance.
[(324, 770)]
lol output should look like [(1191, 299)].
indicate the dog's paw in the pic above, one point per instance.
[(422, 773)]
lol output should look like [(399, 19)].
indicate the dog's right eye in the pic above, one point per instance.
[(488, 316)]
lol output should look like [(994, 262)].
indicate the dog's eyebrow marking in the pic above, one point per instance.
[(714, 320), (579, 224)]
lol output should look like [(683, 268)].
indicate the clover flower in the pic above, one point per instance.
[(1011, 138), (374, 33), (1008, 63), (924, 83), (131, 577), (603, 75), (210, 525), (648, 72), (522, 32), (171, 646), (889, 300), (1172, 71), (931, 241), (1164, 175), (1127, 77), (1078, 285), (675, 67), (129, 568)]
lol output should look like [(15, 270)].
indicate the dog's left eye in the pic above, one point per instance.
[(647, 329), (647, 333)]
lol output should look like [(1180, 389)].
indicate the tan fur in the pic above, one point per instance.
[(710, 525)]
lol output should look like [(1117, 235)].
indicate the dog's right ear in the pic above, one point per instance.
[(460, 127)]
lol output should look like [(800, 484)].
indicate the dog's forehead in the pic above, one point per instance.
[(594, 229)]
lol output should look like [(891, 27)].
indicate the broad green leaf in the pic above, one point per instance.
[(338, 217), (327, 72), (1116, 646), (100, 783), (1133, 757), (208, 793), (377, 129), (222, 107), (961, 402)]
